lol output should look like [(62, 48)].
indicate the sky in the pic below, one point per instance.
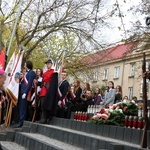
[(129, 18), (113, 32)]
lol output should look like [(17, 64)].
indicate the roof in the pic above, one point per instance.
[(117, 52)]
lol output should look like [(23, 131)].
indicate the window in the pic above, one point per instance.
[(147, 65), (132, 69), (105, 74), (130, 93), (116, 72), (95, 76)]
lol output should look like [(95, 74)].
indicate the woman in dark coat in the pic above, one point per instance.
[(74, 98), (118, 96), (77, 92)]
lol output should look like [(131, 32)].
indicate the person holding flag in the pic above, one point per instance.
[(46, 79), (25, 86), (2, 80), (2, 58)]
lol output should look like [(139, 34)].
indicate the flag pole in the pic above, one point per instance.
[(144, 135), (14, 29)]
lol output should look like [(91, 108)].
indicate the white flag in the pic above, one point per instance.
[(13, 85)]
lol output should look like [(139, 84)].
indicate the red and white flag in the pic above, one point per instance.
[(9, 69), (13, 84), (2, 59)]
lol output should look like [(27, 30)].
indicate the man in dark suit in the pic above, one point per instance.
[(63, 88), (26, 85)]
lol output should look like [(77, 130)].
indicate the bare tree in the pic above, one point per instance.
[(139, 29), (40, 19)]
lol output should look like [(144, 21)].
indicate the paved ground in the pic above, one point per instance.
[(11, 146), (4, 129)]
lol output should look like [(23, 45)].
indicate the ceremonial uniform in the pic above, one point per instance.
[(24, 89), (46, 97), (46, 78), (63, 90), (25, 86)]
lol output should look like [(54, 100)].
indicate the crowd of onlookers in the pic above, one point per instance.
[(43, 93)]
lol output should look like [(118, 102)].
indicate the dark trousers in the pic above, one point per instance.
[(22, 110), (15, 114), (46, 114), (30, 111), (61, 112)]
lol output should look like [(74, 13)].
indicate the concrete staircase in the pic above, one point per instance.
[(64, 134)]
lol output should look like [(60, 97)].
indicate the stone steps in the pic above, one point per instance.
[(4, 145), (67, 134), (85, 135), (116, 132), (41, 142), (120, 133)]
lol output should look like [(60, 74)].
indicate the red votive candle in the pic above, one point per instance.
[(75, 116), (130, 122), (126, 121), (135, 122), (140, 123)]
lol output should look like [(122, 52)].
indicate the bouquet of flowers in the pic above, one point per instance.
[(130, 109), (108, 116), (115, 114)]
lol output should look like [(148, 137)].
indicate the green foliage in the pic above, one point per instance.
[(130, 109), (103, 88), (66, 46), (38, 58)]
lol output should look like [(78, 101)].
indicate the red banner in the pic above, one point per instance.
[(2, 59)]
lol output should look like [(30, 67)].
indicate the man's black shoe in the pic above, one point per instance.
[(13, 125), (42, 121), (17, 126), (49, 120)]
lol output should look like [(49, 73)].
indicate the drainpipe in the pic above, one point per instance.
[(122, 75)]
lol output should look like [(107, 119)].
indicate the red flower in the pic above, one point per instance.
[(125, 108)]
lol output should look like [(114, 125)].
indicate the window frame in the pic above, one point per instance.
[(116, 72), (130, 92), (105, 75), (132, 69)]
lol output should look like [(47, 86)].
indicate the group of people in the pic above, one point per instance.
[(42, 96)]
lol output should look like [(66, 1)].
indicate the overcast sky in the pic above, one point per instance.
[(112, 33), (129, 18)]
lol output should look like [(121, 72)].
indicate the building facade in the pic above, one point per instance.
[(121, 64)]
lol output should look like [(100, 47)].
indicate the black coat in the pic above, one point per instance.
[(77, 99), (118, 98), (51, 98)]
